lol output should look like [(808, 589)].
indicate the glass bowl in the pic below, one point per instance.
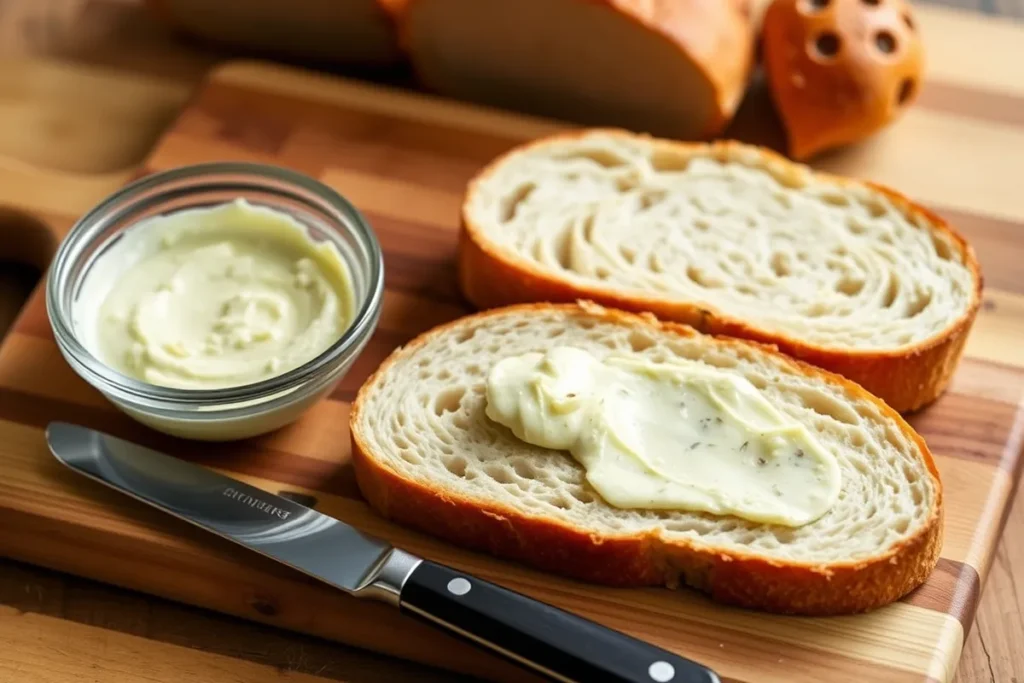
[(235, 412)]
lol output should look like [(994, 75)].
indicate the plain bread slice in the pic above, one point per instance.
[(731, 239)]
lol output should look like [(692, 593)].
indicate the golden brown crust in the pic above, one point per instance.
[(717, 36), (906, 378), (827, 101), (725, 54), (743, 579)]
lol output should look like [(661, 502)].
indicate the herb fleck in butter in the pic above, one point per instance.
[(667, 435), (217, 297)]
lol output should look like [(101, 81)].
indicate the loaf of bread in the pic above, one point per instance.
[(730, 239), (676, 68), (359, 33), (426, 455), (840, 70)]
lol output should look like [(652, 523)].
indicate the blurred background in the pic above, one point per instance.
[(1002, 7)]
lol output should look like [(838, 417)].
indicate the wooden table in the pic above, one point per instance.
[(110, 81)]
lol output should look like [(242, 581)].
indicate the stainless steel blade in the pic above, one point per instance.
[(295, 535)]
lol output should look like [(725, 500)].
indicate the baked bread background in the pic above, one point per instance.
[(426, 455), (839, 69), (730, 239)]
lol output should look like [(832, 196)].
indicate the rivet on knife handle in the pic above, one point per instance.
[(549, 640)]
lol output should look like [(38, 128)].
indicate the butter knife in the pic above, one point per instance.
[(550, 641)]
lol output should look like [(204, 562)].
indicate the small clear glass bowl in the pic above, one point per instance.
[(235, 412)]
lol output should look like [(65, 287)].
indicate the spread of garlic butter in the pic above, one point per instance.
[(214, 297), (667, 435)]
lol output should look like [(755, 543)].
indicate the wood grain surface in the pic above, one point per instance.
[(999, 629), (404, 161)]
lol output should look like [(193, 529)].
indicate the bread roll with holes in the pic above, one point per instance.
[(677, 68), (426, 455), (840, 70), (731, 239)]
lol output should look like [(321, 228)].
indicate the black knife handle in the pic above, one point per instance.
[(548, 640)]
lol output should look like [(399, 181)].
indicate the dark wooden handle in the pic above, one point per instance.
[(543, 638)]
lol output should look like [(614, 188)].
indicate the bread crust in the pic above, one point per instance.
[(725, 56), (907, 377), (744, 579)]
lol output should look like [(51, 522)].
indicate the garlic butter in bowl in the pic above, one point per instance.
[(216, 301)]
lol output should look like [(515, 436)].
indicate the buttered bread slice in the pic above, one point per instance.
[(440, 445), (731, 239)]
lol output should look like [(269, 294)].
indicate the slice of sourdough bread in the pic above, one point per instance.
[(731, 239), (426, 455)]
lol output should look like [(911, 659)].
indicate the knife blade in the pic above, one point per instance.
[(550, 641)]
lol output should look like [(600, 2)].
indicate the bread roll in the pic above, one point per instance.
[(840, 70), (671, 67)]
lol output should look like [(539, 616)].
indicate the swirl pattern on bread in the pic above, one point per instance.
[(731, 239)]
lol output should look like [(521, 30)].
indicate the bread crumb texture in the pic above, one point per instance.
[(729, 228)]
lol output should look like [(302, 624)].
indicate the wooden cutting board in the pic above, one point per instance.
[(403, 159)]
